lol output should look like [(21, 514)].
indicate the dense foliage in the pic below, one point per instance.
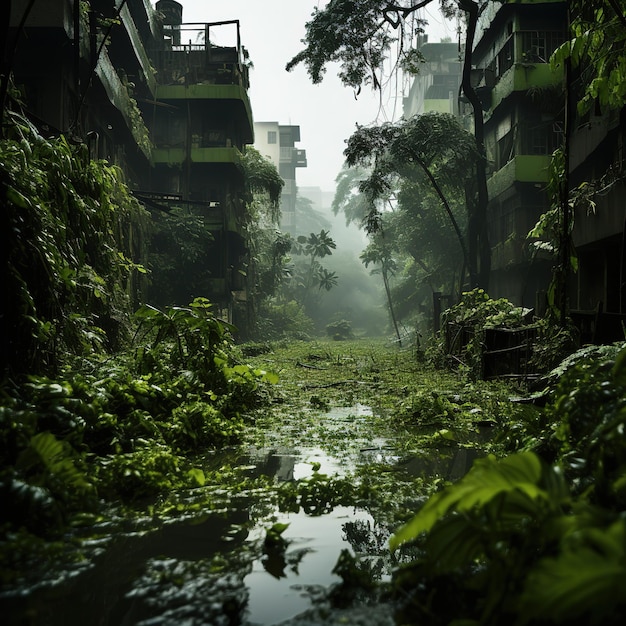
[(98, 406), (596, 50), (123, 428), (290, 312), (74, 238), (410, 195), (537, 536), (359, 35)]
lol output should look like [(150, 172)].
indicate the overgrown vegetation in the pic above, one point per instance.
[(102, 409), (99, 405), (73, 240), (536, 536)]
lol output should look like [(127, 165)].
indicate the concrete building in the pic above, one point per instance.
[(436, 86), (200, 121), (598, 290), (75, 85), (278, 143), (523, 102), (153, 95)]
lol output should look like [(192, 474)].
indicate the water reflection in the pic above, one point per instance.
[(212, 568), (314, 543)]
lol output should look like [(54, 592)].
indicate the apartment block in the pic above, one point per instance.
[(277, 142), (436, 86), (523, 114), (155, 96)]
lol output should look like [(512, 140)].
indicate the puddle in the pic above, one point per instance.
[(314, 546), (170, 576)]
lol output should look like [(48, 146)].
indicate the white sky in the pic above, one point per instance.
[(327, 113)]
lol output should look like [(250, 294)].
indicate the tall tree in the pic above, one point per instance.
[(358, 34), (379, 254), (432, 150)]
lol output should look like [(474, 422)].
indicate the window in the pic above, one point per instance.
[(271, 136)]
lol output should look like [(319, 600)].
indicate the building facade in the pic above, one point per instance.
[(436, 86), (74, 84), (523, 115), (277, 142), (200, 122), (153, 95)]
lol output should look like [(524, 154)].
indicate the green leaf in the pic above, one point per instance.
[(487, 479), (454, 543), (271, 378), (619, 369), (580, 583), (197, 476), (17, 198)]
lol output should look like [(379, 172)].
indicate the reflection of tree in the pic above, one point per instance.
[(370, 544)]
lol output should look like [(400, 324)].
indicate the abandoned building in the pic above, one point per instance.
[(523, 100), (152, 95)]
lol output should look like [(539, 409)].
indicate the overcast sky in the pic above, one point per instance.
[(272, 30)]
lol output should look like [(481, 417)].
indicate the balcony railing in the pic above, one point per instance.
[(525, 46), (541, 138), (190, 56), (293, 156)]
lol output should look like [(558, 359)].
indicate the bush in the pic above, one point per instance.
[(340, 330)]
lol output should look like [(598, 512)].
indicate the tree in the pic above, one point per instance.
[(306, 278), (432, 148), (378, 253), (267, 246), (359, 34), (308, 218), (348, 198)]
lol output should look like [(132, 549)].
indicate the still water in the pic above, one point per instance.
[(212, 569)]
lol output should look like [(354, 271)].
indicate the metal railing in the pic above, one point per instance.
[(526, 46), (191, 56)]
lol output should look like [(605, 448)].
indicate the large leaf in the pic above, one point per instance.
[(488, 478), (584, 584), (52, 460), (454, 543)]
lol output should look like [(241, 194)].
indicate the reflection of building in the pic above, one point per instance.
[(277, 143), (436, 86)]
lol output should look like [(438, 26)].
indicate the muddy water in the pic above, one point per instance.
[(214, 568)]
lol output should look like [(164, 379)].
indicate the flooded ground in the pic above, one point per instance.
[(321, 480)]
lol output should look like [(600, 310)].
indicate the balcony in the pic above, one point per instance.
[(135, 44), (119, 97), (198, 155), (524, 168), (199, 60), (522, 62), (293, 156)]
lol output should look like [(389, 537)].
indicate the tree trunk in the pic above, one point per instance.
[(390, 301), (444, 201), (479, 265)]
